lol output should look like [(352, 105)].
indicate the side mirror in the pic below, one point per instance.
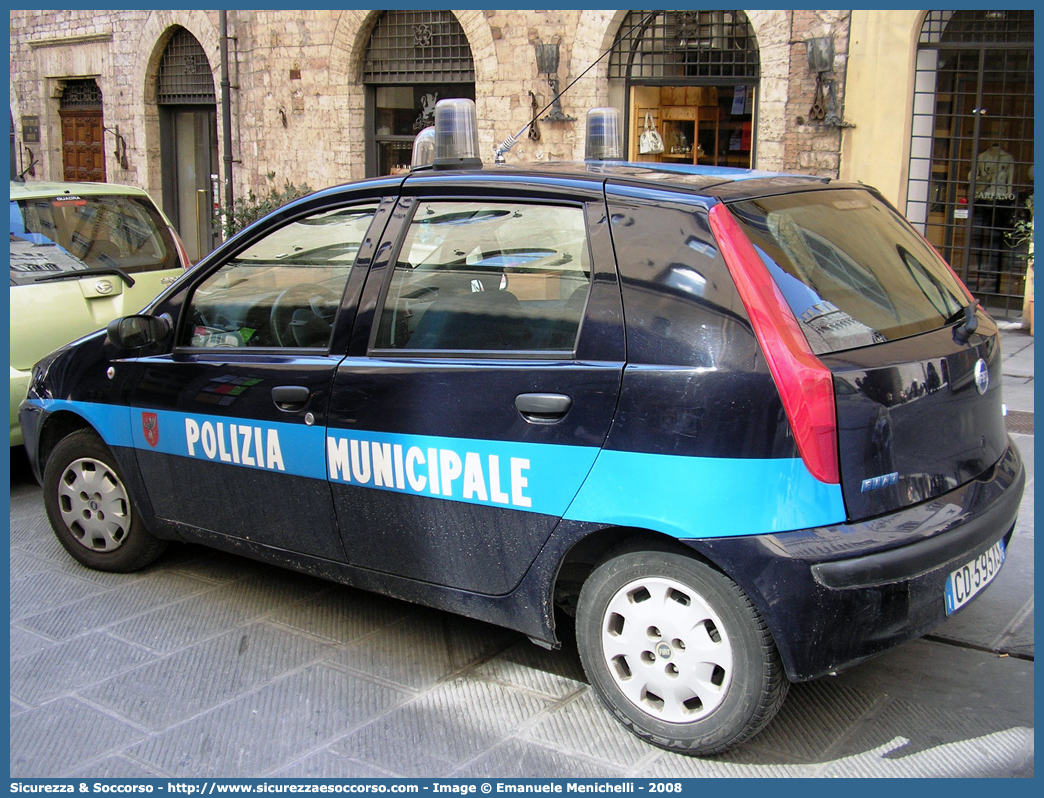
[(135, 332)]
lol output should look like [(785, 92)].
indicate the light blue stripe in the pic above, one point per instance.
[(300, 448), (264, 445), (685, 497), (533, 477), (705, 497), (112, 422)]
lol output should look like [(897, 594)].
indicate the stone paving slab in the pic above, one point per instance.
[(1003, 620), (443, 728), (63, 734), (198, 678), (1017, 362), (270, 728)]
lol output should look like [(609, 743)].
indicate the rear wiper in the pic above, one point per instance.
[(87, 273), (971, 323)]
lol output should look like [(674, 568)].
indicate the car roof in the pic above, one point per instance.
[(41, 189), (725, 184)]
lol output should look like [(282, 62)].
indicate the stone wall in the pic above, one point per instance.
[(814, 147), (298, 107)]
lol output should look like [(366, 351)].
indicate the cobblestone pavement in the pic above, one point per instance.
[(206, 664)]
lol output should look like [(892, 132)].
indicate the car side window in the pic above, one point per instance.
[(487, 276), (283, 290)]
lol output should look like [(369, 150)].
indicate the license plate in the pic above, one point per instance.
[(965, 583)]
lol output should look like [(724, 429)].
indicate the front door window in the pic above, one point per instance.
[(283, 291)]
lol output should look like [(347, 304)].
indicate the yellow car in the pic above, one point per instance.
[(82, 254)]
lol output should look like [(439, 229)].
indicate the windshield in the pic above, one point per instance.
[(853, 271), (52, 235)]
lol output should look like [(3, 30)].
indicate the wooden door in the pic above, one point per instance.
[(83, 150)]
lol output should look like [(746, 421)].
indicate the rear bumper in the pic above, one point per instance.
[(837, 595)]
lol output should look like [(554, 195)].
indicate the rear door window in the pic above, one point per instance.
[(853, 271), (482, 276)]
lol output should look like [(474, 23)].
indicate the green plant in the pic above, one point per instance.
[(249, 209), (1022, 230)]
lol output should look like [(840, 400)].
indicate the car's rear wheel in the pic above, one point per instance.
[(678, 652), (90, 508)]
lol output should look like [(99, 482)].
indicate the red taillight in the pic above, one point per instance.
[(183, 256), (805, 385)]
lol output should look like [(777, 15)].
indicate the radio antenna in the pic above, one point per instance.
[(511, 141)]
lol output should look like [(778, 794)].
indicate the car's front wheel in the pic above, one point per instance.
[(90, 509), (678, 652)]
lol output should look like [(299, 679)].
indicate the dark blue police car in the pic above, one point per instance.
[(740, 429)]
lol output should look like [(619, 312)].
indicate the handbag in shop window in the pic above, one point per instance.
[(650, 142)]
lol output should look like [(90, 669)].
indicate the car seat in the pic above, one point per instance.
[(472, 321)]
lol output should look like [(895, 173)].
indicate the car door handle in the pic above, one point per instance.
[(543, 408), (290, 397)]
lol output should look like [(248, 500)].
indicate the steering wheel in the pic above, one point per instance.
[(303, 314)]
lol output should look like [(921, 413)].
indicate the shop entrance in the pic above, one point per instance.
[(971, 168), (692, 76)]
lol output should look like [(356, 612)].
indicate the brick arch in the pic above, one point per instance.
[(348, 50), (596, 31), (144, 144)]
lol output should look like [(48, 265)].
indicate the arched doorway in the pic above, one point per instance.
[(413, 59), (83, 151), (693, 75), (188, 140), (971, 155)]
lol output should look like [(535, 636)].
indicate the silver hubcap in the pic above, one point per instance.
[(94, 505), (667, 650)]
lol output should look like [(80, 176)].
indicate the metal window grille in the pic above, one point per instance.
[(971, 151), (81, 94), (185, 74), (977, 27), (685, 44), (418, 47)]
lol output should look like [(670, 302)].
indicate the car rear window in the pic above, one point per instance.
[(852, 269), (72, 233)]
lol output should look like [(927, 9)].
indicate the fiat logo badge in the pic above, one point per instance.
[(982, 376), (103, 287)]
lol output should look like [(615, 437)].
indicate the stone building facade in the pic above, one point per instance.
[(298, 103), (876, 96)]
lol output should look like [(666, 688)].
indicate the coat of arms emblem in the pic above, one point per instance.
[(150, 426)]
